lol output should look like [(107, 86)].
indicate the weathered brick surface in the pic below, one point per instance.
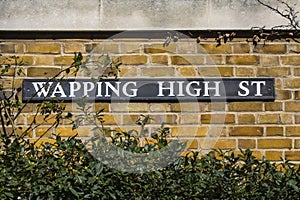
[(269, 128)]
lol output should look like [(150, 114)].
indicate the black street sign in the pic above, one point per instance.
[(150, 89)]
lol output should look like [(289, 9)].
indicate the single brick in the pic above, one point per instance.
[(246, 143), (292, 131), (159, 48), (68, 132), (134, 59), (274, 155), (268, 119), (7, 48), (159, 59), (39, 142), (246, 119), (297, 118), (286, 118), (273, 72), (52, 48), (44, 60), (297, 95), (217, 143), (274, 131), (74, 47), (111, 119), (292, 106), (297, 71), (189, 118), (297, 143), (218, 119), (187, 60), (41, 119), (216, 106), (290, 60), (292, 82), (215, 71), (129, 47), (128, 71), (170, 119), (272, 48), (187, 71), (20, 48), (283, 94), (42, 71), (213, 49), (159, 107), (275, 143), (270, 60), (63, 60), (26, 60), (184, 47), (192, 107), (158, 71), (273, 106), (102, 48), (292, 155), (241, 48), (215, 59), (132, 107), (245, 106), (246, 131), (242, 60), (245, 71), (189, 131), (43, 131)]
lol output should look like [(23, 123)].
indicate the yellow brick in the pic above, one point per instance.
[(217, 119), (283, 94), (159, 59), (158, 71), (20, 48), (43, 48), (130, 119), (274, 155), (217, 143), (286, 118), (74, 47), (101, 106), (245, 71), (68, 132), (274, 143), (245, 106), (63, 60), (12, 71), (8, 83), (215, 71), (111, 119), (193, 107), (7, 48), (42, 71), (44, 60), (273, 72), (272, 48), (187, 60), (292, 82), (189, 118), (297, 71), (246, 143), (189, 131), (159, 107), (40, 119), (39, 142), (242, 60), (292, 131), (215, 106), (134, 59), (292, 155), (213, 49), (246, 119), (191, 144), (102, 48), (292, 106), (215, 60), (166, 119), (187, 71), (159, 48), (268, 119), (241, 48), (270, 61), (26, 60), (128, 71), (297, 143), (186, 47), (132, 107), (273, 106), (129, 47), (290, 60), (274, 131), (43, 132), (245, 131)]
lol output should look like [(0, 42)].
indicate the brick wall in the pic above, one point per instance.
[(271, 129)]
